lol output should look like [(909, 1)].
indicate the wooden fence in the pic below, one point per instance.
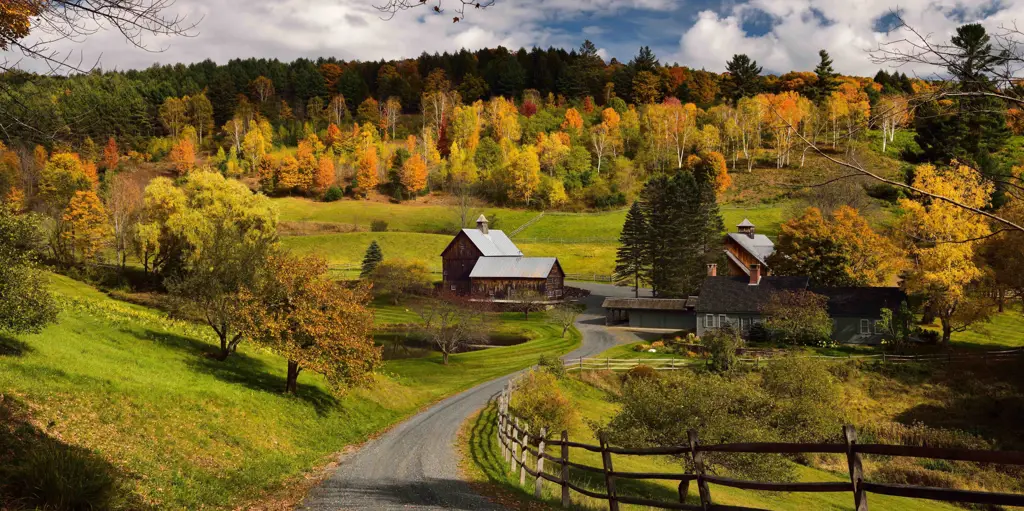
[(669, 364), (518, 445), (592, 277)]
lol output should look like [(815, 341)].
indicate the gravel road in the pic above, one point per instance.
[(415, 465)]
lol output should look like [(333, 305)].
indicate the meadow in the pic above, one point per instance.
[(135, 391)]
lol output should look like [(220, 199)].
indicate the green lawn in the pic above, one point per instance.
[(132, 388), (483, 463), (1005, 330)]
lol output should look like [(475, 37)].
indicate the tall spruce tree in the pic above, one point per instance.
[(744, 78), (631, 259), (827, 82), (373, 257)]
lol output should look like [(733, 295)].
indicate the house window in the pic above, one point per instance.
[(722, 319), (709, 321), (453, 287), (744, 325), (865, 327)]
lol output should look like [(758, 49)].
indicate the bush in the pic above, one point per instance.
[(61, 477), (759, 334), (640, 372), (399, 279), (334, 193), (722, 344), (806, 398), (539, 401), (553, 365), (378, 226), (641, 347)]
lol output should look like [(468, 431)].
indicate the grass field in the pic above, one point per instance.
[(483, 463), (132, 388)]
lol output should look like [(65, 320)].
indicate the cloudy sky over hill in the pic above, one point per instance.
[(780, 34)]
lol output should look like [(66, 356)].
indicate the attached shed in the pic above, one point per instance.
[(656, 313), (505, 277), (857, 311)]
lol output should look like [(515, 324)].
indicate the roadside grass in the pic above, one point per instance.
[(184, 431), (483, 463)]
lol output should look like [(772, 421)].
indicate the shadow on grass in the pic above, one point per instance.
[(485, 455), (12, 347), (41, 472), (245, 370)]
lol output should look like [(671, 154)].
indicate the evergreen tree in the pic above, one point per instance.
[(827, 82), (744, 78), (631, 258), (372, 258)]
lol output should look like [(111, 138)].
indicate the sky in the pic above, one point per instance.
[(781, 35)]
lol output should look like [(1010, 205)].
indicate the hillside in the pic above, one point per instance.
[(132, 390)]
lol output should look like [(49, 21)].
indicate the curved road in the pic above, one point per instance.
[(416, 465)]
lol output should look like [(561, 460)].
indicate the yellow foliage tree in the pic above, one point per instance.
[(305, 156), (325, 176), (366, 176), (414, 174), (945, 239), (289, 176), (87, 229), (522, 174)]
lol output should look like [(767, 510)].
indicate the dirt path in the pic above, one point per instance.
[(416, 464)]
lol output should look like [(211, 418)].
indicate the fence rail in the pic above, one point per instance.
[(668, 364), (517, 443), (569, 241), (593, 277)]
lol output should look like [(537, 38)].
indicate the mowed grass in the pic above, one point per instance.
[(1004, 330), (188, 432), (483, 463)]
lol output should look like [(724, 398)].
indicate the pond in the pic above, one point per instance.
[(403, 345)]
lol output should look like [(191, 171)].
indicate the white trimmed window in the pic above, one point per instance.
[(709, 321), (865, 327), (722, 320)]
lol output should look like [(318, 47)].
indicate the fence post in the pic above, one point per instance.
[(512, 443), (698, 465), (608, 364), (501, 422), (609, 478), (883, 357), (581, 365), (565, 469), (522, 454), (860, 499), (540, 462)]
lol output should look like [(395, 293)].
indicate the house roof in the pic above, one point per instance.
[(724, 295), (759, 246), (513, 267), (668, 304), (493, 244), (864, 302), (745, 223)]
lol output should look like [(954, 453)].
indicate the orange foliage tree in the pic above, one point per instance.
[(308, 166), (573, 121), (111, 154), (288, 174), (183, 156), (325, 175), (414, 174), (366, 176), (87, 229), (298, 312)]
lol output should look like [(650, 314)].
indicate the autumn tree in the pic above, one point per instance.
[(451, 324), (390, 112), (294, 309), (86, 229), (124, 205), (183, 156), (943, 241), (200, 114), (367, 175), (414, 174), (397, 279), (522, 174), (262, 89), (836, 250), (173, 115), (325, 172), (573, 122), (111, 154)]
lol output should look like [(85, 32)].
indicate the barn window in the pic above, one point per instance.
[(865, 326), (709, 321)]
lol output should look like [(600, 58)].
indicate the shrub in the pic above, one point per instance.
[(334, 193), (658, 344), (378, 226), (759, 334), (61, 477), (641, 347), (539, 401), (722, 344), (640, 372), (553, 365), (397, 279), (806, 398)]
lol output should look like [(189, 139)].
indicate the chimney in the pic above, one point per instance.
[(755, 274), (481, 223), (712, 270)]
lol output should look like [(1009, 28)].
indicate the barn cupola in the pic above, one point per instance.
[(746, 227), (481, 224)]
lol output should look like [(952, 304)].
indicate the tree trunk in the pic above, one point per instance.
[(947, 331), (444, 357), (291, 385)]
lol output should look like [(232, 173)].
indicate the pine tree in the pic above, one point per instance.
[(631, 258), (827, 82), (372, 258), (744, 78)]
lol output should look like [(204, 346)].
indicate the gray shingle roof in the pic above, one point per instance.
[(680, 304), (494, 243), (735, 295), (759, 246), (513, 267), (861, 302)]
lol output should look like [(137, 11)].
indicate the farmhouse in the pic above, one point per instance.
[(485, 263), (654, 313), (737, 302)]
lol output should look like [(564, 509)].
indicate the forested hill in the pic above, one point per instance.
[(125, 103)]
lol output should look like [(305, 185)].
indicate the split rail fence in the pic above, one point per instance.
[(671, 364), (518, 445)]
